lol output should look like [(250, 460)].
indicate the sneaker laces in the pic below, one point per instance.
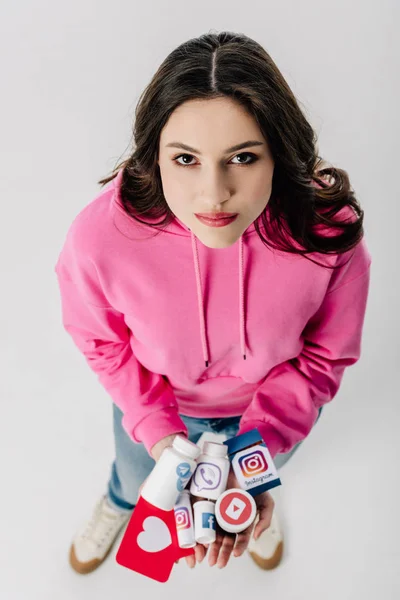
[(102, 524)]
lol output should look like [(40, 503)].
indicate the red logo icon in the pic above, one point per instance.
[(150, 544), (236, 508)]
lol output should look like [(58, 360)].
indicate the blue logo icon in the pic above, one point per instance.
[(183, 470), (208, 521), (180, 485)]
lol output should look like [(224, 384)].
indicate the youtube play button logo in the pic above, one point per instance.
[(235, 510)]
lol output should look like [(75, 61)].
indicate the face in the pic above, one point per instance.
[(209, 177)]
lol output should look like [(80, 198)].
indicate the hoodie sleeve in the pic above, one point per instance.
[(285, 406), (101, 334)]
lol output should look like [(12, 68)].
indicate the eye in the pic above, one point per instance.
[(252, 156)]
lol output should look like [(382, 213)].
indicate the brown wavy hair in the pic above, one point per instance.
[(232, 65)]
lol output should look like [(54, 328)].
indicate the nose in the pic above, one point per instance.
[(216, 192)]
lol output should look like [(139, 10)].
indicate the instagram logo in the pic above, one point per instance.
[(182, 518), (253, 463)]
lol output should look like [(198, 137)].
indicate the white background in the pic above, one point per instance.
[(71, 74)]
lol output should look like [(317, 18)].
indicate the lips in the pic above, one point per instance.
[(216, 216), (216, 222)]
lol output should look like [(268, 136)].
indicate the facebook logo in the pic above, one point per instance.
[(209, 521)]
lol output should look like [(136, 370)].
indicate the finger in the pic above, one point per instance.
[(265, 516), (225, 550), (214, 549), (242, 541), (200, 552), (191, 561), (206, 547)]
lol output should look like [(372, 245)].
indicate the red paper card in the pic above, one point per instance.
[(150, 543)]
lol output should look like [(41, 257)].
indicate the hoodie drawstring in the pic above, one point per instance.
[(201, 305)]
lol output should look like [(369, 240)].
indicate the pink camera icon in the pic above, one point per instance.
[(182, 517), (253, 463)]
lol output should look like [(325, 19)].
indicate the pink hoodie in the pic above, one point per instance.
[(171, 326)]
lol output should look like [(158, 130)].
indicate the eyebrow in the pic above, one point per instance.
[(232, 149)]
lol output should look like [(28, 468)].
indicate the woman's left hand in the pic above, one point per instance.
[(227, 543)]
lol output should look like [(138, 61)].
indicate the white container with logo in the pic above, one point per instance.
[(211, 475), (171, 473), (205, 527), (235, 510), (255, 470), (184, 520)]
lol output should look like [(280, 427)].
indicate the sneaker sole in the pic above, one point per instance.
[(83, 568), (269, 563)]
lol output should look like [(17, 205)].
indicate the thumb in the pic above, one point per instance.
[(265, 516)]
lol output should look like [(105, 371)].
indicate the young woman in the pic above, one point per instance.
[(196, 321)]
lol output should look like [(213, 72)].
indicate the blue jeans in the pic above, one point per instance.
[(133, 464)]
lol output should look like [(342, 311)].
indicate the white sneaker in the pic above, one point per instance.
[(268, 549), (94, 541)]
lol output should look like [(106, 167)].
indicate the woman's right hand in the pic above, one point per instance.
[(166, 442), (156, 451)]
